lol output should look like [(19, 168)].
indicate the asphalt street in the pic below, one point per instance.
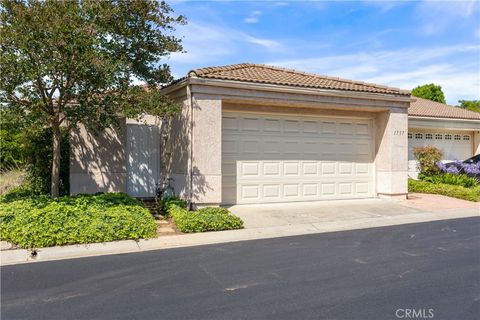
[(428, 270)]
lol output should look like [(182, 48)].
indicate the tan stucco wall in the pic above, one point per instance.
[(98, 162), (176, 148), (476, 142), (391, 160)]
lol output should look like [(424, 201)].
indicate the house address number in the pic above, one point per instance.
[(399, 132)]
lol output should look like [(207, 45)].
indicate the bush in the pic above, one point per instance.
[(166, 203), (453, 179), (427, 158), (31, 149), (38, 161), (205, 219), (12, 150), (460, 192), (40, 221)]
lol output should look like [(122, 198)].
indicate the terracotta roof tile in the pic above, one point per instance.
[(260, 73), (426, 108)]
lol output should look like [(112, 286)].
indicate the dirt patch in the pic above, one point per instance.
[(166, 227)]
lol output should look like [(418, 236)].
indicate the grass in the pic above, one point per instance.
[(454, 191), (11, 179)]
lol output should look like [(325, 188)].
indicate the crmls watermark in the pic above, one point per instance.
[(409, 313)]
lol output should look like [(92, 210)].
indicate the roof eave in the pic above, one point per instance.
[(442, 118), (297, 89)]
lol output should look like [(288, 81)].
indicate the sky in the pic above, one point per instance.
[(401, 44)]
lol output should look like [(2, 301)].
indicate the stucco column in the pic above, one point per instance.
[(476, 142), (207, 151), (391, 158)]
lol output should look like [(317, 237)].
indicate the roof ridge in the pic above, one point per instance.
[(445, 104), (317, 75), (211, 69)]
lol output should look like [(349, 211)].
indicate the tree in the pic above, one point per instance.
[(472, 105), (429, 91), (70, 62)]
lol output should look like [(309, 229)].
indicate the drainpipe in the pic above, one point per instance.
[(190, 195)]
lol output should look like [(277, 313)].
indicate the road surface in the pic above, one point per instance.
[(430, 270)]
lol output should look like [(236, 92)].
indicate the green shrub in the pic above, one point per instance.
[(166, 203), (453, 179), (38, 161), (12, 150), (205, 219), (40, 221), (460, 192), (427, 158)]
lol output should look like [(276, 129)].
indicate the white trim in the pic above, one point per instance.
[(443, 119)]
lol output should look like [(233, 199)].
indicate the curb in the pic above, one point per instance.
[(20, 256)]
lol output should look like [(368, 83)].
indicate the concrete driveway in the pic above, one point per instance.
[(301, 213)]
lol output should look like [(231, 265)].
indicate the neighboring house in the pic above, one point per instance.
[(453, 130), (258, 134)]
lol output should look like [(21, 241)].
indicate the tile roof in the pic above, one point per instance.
[(259, 73), (426, 108)]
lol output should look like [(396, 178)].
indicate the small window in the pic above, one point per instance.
[(429, 136), (457, 137), (438, 136), (466, 137), (448, 137), (418, 136), (410, 136)]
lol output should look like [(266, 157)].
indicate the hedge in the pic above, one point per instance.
[(40, 221), (455, 191), (205, 219)]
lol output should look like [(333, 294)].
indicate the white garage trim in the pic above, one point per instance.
[(283, 158)]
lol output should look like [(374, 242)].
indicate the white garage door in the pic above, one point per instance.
[(274, 158), (454, 145)]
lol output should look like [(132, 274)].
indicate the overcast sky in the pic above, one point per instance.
[(401, 44)]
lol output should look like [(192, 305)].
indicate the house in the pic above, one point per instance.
[(453, 130), (253, 133)]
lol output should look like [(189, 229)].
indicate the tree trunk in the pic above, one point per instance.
[(56, 160)]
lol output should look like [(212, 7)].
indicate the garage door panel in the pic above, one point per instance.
[(361, 187), (310, 189), (362, 129), (271, 191), (291, 126), (345, 168), (291, 190), (327, 189), (249, 191), (329, 127), (310, 127), (310, 168), (291, 169), (289, 158), (345, 188), (328, 168), (271, 169), (362, 169)]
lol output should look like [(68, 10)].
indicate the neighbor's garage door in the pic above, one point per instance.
[(276, 158), (454, 145)]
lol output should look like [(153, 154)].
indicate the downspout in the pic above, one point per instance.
[(190, 98)]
